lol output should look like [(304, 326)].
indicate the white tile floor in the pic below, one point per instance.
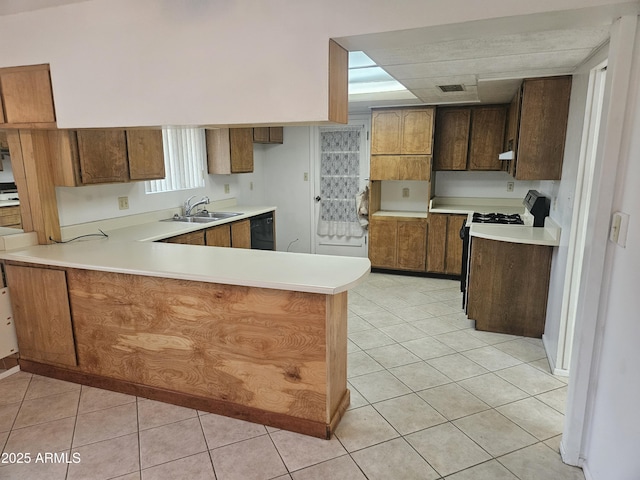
[(431, 398)]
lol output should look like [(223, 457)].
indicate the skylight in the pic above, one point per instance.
[(366, 77)]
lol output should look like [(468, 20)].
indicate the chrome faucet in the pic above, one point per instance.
[(188, 208)]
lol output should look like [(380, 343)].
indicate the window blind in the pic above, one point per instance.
[(184, 160)]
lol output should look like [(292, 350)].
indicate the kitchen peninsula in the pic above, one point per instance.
[(252, 334)]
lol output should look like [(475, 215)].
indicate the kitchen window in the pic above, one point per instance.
[(184, 160)]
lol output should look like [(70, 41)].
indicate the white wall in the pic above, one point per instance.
[(480, 184), (97, 202), (613, 441), (121, 63), (285, 187)]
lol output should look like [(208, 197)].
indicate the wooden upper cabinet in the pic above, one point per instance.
[(544, 112), (230, 150), (451, 138), (417, 132), (487, 137), (103, 156), (402, 131), (27, 97), (268, 135), (146, 155), (400, 167)]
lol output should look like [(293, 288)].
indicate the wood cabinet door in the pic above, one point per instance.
[(412, 244), (508, 286), (487, 137), (146, 155), (40, 303), (103, 156), (543, 126), (417, 131), (452, 138), (437, 244), (511, 132), (261, 134), (241, 149), (276, 135), (453, 260), (383, 238), (386, 128), (241, 234), (219, 236), (400, 167), (193, 238), (27, 95)]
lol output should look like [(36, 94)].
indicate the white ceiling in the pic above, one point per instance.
[(488, 58), (10, 7)]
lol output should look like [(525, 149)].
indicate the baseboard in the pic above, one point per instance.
[(587, 472), (562, 372), (9, 372)]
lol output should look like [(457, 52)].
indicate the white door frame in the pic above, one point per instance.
[(592, 297), (582, 203)]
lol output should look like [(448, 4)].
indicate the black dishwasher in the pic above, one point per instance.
[(262, 233)]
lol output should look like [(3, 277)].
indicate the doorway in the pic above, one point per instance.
[(340, 156)]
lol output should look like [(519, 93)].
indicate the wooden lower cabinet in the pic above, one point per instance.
[(42, 315), (219, 236), (444, 248), (241, 234), (192, 238), (10, 217), (398, 243), (508, 286)]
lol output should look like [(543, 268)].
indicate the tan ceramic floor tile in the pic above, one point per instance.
[(392, 356), (13, 390), (300, 451), (171, 442), (34, 471), (457, 367), (460, 340), (367, 339), (92, 399), (492, 338), (453, 401), (108, 459), (363, 427), (435, 326), (523, 350), (382, 319), (409, 413), (254, 459), (411, 314), (535, 417), (105, 424), (379, 386), (196, 467), (556, 399), (491, 358), (46, 437), (129, 476), (47, 409), (427, 348), (8, 415), (220, 431), (492, 389), (529, 379), (342, 468), (495, 433), (491, 470), (403, 332), (44, 386), (393, 459), (357, 400), (447, 449), (418, 376), (155, 414), (539, 461), (361, 363)]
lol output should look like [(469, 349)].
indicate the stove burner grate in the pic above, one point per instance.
[(502, 218)]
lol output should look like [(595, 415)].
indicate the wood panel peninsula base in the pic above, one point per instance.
[(276, 357)]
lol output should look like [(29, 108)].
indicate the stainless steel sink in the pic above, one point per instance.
[(217, 215), (202, 217)]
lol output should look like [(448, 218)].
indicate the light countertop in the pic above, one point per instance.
[(548, 235), (9, 203), (131, 250)]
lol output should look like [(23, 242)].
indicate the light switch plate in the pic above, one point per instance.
[(123, 203)]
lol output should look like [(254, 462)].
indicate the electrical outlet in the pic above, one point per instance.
[(510, 186), (405, 193), (226, 188), (306, 176), (123, 203)]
